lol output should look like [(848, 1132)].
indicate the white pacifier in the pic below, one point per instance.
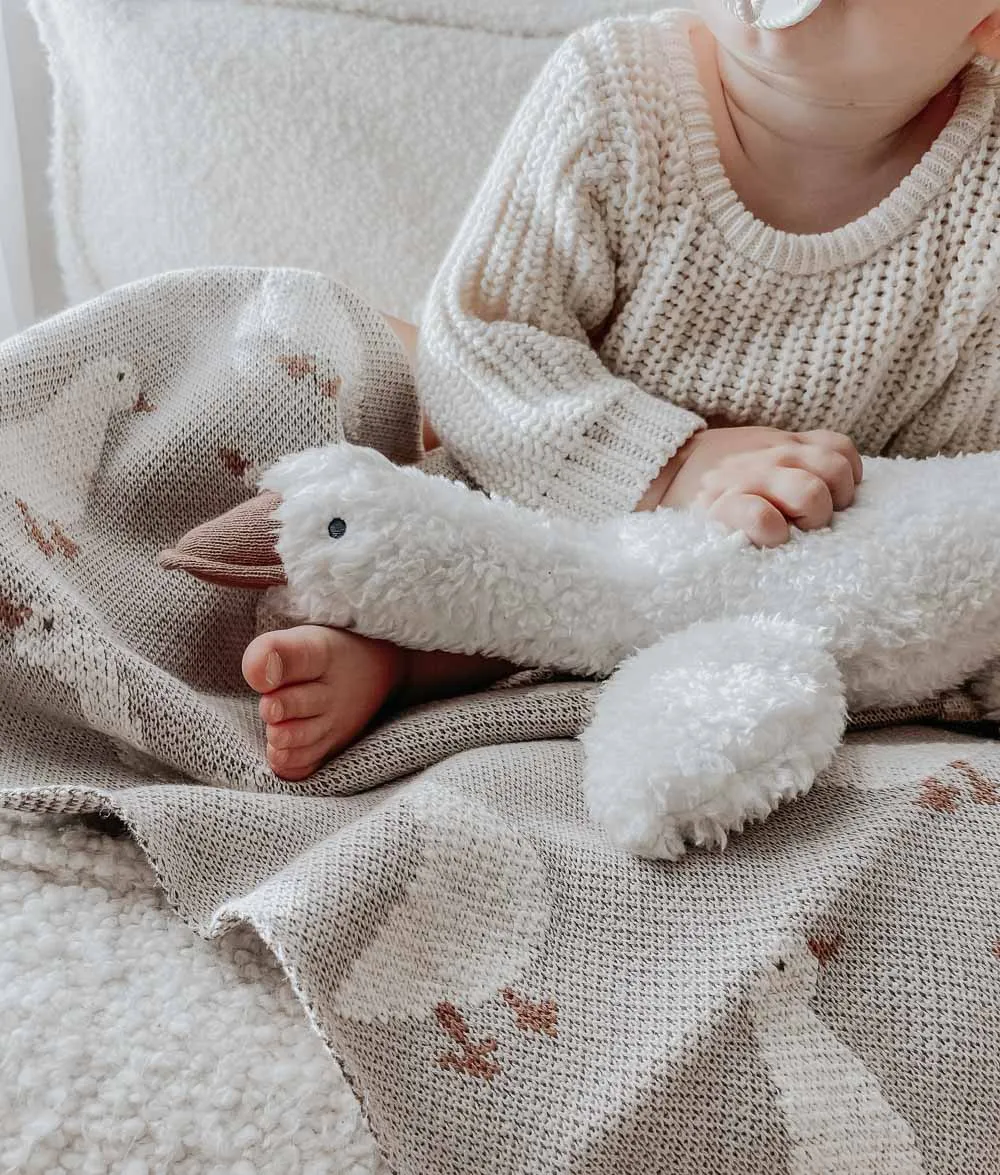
[(773, 14)]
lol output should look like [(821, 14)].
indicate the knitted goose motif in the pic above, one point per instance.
[(836, 1115)]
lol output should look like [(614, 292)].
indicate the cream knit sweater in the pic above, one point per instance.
[(608, 290)]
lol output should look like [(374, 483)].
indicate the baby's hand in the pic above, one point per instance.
[(762, 481)]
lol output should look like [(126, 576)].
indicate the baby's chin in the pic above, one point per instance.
[(813, 56), (798, 52)]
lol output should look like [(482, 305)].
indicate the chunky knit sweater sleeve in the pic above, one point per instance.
[(508, 370)]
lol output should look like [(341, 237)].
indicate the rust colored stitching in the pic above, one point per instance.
[(58, 539), (996, 948), (825, 949), (142, 404), (234, 461), (938, 796), (453, 1023), (298, 366), (12, 615), (984, 791), (331, 387), (474, 1059), (63, 541), (531, 1017), (35, 531)]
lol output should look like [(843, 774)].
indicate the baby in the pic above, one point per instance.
[(713, 261)]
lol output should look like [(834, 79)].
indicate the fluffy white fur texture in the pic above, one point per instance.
[(739, 664)]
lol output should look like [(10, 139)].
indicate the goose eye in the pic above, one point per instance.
[(337, 528)]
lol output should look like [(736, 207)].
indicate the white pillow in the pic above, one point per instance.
[(343, 137)]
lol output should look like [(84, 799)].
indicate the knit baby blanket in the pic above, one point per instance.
[(505, 992)]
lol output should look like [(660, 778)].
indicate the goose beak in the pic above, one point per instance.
[(236, 549)]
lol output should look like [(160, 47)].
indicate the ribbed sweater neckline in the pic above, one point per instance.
[(853, 243)]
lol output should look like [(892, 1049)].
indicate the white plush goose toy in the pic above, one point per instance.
[(731, 669)]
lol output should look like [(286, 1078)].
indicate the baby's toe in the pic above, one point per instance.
[(285, 658), (296, 763), (258, 663), (296, 701), (299, 733)]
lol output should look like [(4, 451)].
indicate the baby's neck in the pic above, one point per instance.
[(811, 167)]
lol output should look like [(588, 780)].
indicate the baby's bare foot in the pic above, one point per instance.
[(321, 687)]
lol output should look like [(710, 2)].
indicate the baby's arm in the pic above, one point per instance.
[(507, 366), (762, 481)]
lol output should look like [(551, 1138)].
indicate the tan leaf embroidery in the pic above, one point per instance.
[(35, 531), (298, 366), (984, 791), (938, 797), (12, 615), (63, 541), (825, 949), (531, 1017), (56, 540), (474, 1058), (234, 461)]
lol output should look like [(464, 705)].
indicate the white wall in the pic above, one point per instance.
[(32, 102)]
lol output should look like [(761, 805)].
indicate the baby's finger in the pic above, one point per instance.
[(801, 496), (762, 523), (830, 466), (838, 443)]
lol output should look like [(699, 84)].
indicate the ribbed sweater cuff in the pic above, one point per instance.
[(620, 456)]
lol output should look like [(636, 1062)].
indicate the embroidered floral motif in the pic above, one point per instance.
[(301, 367), (234, 461), (48, 544), (984, 791), (474, 1059), (942, 797), (12, 615), (298, 366), (531, 1017), (825, 949), (63, 541), (938, 797), (35, 531)]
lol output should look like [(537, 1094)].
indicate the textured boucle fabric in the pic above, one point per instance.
[(343, 135), (608, 291), (157, 1051), (504, 991)]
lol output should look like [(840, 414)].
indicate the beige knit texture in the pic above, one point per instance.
[(505, 992), (608, 290)]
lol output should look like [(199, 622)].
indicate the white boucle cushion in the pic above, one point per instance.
[(131, 1046), (345, 137)]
